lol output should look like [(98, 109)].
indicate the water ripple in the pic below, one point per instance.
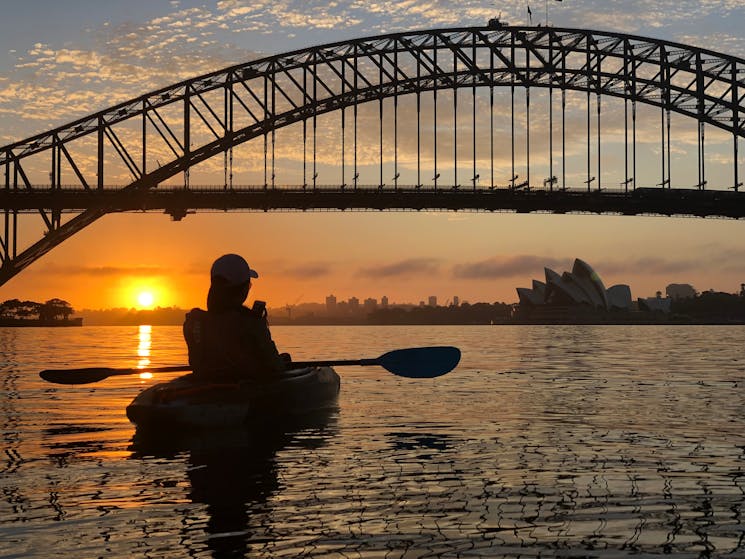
[(570, 441)]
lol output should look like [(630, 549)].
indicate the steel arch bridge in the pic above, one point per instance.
[(208, 116)]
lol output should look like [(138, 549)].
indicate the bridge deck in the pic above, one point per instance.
[(177, 201)]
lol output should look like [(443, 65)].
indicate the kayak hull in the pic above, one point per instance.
[(187, 401)]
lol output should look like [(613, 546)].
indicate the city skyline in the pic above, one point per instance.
[(670, 289)]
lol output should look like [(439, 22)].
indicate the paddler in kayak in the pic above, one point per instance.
[(230, 342)]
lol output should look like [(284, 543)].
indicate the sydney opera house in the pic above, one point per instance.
[(573, 294)]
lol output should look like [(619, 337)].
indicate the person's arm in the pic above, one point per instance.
[(263, 348), (192, 330)]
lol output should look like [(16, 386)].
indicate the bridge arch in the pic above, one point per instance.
[(257, 98)]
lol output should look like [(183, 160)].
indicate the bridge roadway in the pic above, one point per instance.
[(178, 201)]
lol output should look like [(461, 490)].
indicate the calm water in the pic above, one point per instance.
[(546, 441)]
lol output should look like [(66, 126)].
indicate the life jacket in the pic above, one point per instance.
[(231, 345)]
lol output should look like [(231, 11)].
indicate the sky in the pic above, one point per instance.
[(63, 59)]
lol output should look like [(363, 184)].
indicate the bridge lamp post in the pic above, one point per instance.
[(475, 181), (395, 180), (437, 176), (664, 183), (354, 180)]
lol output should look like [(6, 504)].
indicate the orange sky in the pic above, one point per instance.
[(51, 76), (406, 256)]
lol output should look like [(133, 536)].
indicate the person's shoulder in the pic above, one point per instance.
[(196, 312)]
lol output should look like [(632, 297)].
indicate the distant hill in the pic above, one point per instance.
[(20, 322), (168, 316)]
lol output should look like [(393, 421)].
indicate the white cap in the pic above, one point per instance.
[(233, 269)]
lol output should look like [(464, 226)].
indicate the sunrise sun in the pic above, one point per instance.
[(145, 299), (142, 294)]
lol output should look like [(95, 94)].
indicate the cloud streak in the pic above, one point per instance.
[(402, 268), (308, 270), (500, 267), (103, 271), (715, 259)]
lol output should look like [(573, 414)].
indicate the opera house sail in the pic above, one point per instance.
[(572, 296)]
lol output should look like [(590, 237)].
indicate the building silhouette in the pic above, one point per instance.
[(331, 305), (680, 291), (572, 296)]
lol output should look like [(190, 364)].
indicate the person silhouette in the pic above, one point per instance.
[(229, 341)]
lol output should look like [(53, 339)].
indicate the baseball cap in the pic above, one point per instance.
[(233, 269)]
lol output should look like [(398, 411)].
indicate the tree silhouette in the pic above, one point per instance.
[(28, 309), (8, 308), (55, 309)]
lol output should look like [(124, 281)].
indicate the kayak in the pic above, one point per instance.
[(188, 401)]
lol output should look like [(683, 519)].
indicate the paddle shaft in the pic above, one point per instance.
[(423, 362), (335, 363), (94, 374)]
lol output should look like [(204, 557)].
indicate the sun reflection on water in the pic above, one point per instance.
[(143, 349)]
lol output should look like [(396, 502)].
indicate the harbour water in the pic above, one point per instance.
[(546, 441)]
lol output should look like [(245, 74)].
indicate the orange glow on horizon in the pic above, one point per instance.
[(309, 257), (142, 294)]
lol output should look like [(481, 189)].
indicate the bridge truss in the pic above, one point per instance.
[(60, 177)]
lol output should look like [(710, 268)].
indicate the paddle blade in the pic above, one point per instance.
[(420, 362), (76, 376), (94, 374)]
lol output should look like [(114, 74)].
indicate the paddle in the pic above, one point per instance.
[(417, 362)]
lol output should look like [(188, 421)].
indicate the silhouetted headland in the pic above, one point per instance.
[(55, 312)]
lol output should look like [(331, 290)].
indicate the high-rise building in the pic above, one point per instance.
[(456, 300), (384, 301), (331, 304), (432, 301)]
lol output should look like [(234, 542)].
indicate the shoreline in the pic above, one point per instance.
[(318, 322), (33, 322)]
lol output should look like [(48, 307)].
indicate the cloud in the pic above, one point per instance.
[(500, 267), (408, 267), (715, 258), (308, 270), (648, 265), (102, 271), (52, 83), (118, 62)]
